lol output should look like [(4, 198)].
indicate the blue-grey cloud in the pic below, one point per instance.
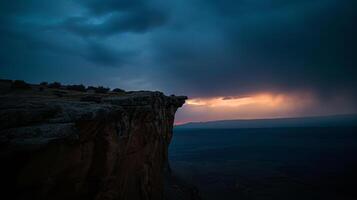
[(33, 31), (198, 48), (114, 23), (247, 46), (103, 7)]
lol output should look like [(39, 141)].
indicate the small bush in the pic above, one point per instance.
[(80, 88), (99, 89), (44, 83), (55, 85), (6, 81), (20, 84), (118, 90)]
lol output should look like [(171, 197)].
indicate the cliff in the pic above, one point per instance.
[(61, 144)]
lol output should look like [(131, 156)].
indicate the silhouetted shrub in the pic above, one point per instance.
[(102, 89), (5, 84), (6, 81), (55, 85), (44, 83), (20, 84), (118, 90), (80, 88), (99, 89)]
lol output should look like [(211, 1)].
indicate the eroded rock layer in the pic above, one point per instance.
[(73, 145)]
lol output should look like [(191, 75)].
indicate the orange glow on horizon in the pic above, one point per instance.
[(262, 99), (254, 106)]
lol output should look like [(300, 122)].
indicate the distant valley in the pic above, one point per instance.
[(321, 121)]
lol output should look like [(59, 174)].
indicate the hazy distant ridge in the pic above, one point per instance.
[(325, 121)]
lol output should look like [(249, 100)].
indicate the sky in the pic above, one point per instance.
[(234, 59)]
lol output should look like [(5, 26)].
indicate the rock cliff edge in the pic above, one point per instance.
[(61, 144)]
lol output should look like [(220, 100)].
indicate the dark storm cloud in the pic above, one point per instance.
[(28, 44), (103, 7), (101, 54), (248, 46), (197, 48), (33, 32), (109, 17), (115, 23)]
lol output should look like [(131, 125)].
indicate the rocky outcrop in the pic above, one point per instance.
[(58, 144)]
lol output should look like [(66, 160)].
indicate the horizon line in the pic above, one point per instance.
[(251, 119)]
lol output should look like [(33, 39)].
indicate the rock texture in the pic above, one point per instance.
[(59, 144)]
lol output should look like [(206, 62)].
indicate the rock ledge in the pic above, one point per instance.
[(60, 144)]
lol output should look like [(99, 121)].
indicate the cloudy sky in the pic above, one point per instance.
[(233, 58)]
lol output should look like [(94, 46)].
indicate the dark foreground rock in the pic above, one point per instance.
[(85, 146)]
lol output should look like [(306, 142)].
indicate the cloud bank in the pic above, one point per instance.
[(203, 49)]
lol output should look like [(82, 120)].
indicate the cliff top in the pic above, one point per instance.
[(44, 108), (21, 90), (73, 142)]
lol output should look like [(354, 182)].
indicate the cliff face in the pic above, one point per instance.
[(70, 145)]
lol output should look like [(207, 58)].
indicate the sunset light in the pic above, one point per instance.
[(260, 105), (262, 99)]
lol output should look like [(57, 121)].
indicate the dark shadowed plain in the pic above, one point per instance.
[(268, 163)]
